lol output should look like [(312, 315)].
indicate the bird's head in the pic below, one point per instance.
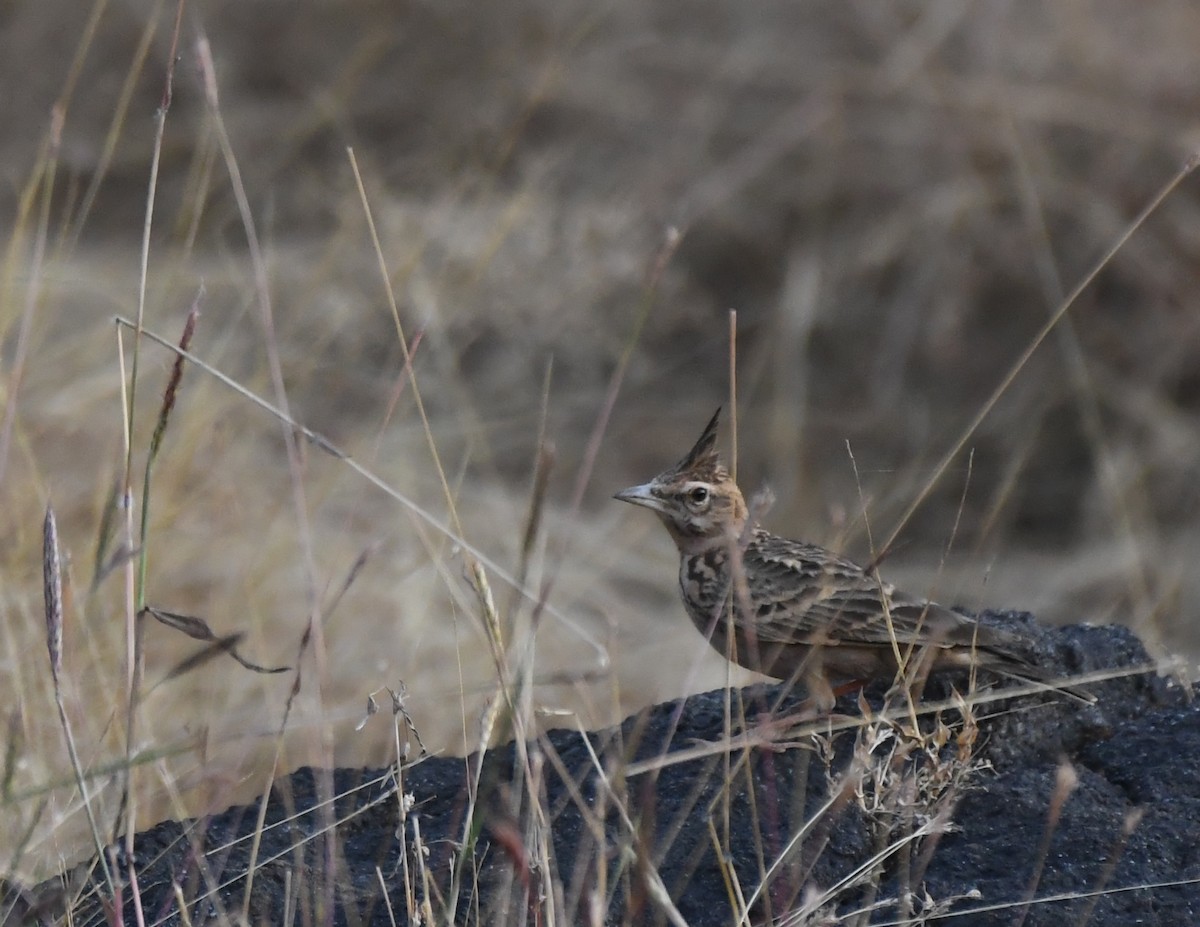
[(696, 499)]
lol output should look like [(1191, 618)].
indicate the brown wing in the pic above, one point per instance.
[(804, 592)]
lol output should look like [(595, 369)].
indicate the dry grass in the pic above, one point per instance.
[(893, 198)]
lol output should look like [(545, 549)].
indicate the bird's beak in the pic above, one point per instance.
[(641, 495)]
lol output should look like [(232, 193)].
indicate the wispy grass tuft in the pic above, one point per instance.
[(52, 586)]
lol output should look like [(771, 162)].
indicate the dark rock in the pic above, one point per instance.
[(1091, 813)]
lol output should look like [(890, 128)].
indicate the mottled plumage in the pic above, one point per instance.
[(799, 610)]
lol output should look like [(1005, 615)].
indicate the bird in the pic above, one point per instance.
[(796, 611)]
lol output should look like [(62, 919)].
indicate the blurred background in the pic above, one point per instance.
[(893, 197)]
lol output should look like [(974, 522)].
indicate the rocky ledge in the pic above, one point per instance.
[(1034, 809)]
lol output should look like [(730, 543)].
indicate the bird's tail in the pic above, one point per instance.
[(1020, 671)]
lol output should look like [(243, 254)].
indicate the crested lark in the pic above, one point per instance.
[(798, 611)]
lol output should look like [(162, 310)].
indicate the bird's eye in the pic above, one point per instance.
[(699, 495)]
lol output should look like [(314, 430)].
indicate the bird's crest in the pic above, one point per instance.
[(702, 462)]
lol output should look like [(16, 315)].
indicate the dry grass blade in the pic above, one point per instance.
[(1051, 324), (1130, 823), (17, 371), (297, 823), (12, 751), (112, 138), (136, 582), (105, 561), (533, 522), (313, 634), (53, 590), (405, 348), (170, 394), (1066, 781), (351, 575), (160, 126), (649, 877), (670, 245), (168, 402), (191, 625), (172, 390), (136, 586), (315, 438), (399, 708), (797, 736), (198, 629), (733, 402), (649, 297), (379, 483), (219, 646), (959, 916)]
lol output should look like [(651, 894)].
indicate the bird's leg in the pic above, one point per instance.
[(909, 684), (822, 697), (820, 693)]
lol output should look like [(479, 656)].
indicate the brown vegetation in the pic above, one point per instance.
[(895, 199)]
